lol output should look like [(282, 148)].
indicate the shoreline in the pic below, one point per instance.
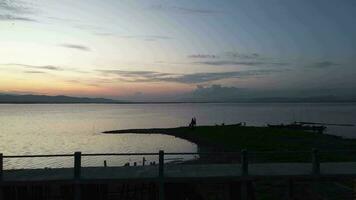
[(184, 133), (234, 138), (179, 132)]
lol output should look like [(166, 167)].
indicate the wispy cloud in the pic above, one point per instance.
[(76, 46), (232, 63), (229, 55), (66, 20), (208, 77), (15, 6), (323, 65), (137, 76), (16, 10), (138, 37), (232, 54), (10, 17), (152, 76), (203, 56), (34, 72), (42, 67), (184, 10), (234, 59)]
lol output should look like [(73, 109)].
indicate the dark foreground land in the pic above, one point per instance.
[(283, 145), (280, 165), (229, 138)]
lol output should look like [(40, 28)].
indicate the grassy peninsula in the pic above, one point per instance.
[(235, 138)]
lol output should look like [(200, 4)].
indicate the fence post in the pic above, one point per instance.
[(161, 174), (1, 167), (77, 172), (1, 174), (316, 162), (289, 189), (244, 162), (244, 168), (77, 164)]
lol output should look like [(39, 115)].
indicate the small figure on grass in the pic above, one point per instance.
[(193, 123)]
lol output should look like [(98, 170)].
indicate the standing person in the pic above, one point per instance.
[(191, 123)]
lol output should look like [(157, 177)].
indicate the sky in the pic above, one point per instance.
[(153, 49)]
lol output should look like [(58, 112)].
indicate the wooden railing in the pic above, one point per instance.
[(243, 160), (243, 156)]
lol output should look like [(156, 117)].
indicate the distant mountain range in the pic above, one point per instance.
[(38, 99), (11, 98)]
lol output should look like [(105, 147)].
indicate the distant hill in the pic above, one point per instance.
[(317, 99), (321, 99), (11, 98), (38, 99)]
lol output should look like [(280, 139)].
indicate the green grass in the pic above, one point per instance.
[(260, 139), (235, 138), (263, 138)]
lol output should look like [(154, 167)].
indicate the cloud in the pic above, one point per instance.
[(104, 34), (34, 72), (137, 76), (203, 56), (208, 77), (66, 20), (152, 76), (140, 37), (43, 67), (84, 82), (15, 10), (15, 6), (137, 37), (9, 17), (232, 62), (184, 10), (323, 64), (217, 93), (232, 54), (76, 46), (233, 59)]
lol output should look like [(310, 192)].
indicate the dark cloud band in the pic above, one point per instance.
[(152, 76), (76, 46)]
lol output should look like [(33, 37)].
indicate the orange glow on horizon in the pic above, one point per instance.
[(30, 85)]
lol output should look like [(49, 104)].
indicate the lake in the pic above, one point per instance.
[(66, 128)]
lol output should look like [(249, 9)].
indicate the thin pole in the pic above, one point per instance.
[(1, 166), (77, 168), (1, 174), (161, 175), (77, 164), (289, 189), (316, 162), (244, 162), (244, 168)]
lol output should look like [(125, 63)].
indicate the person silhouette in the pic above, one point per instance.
[(193, 122)]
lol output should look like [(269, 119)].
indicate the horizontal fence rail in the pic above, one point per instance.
[(39, 156), (244, 157)]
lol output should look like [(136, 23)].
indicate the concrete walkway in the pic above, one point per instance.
[(181, 171)]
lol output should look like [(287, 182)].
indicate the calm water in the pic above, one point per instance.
[(53, 129)]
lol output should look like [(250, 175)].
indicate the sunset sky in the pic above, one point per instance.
[(124, 49)]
